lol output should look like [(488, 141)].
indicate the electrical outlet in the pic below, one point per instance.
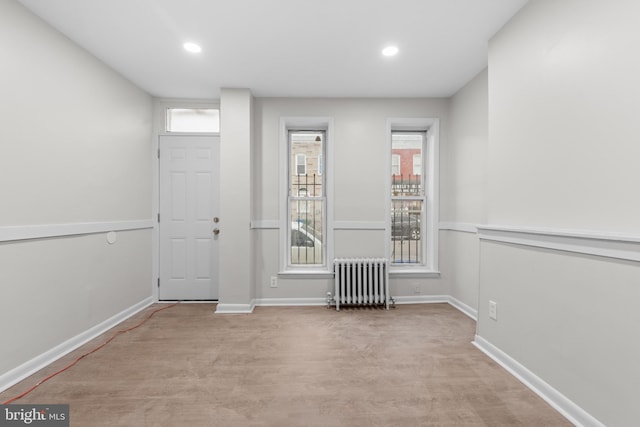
[(417, 289), (274, 282), (493, 310)]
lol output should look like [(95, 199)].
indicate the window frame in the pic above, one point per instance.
[(430, 179), (162, 105), (306, 124)]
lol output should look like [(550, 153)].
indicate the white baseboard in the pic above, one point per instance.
[(23, 371), (557, 400), (437, 299), (422, 299), (222, 308), (469, 311), (283, 302)]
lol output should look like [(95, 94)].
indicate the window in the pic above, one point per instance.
[(412, 229), (193, 120), (417, 164), (301, 164), (395, 164), (407, 199), (306, 198)]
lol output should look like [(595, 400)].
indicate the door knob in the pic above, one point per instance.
[(216, 219), (216, 231)]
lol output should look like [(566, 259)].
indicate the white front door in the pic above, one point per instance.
[(189, 186)]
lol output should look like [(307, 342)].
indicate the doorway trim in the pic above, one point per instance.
[(159, 129)]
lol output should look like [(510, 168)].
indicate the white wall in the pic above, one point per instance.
[(465, 205), (76, 148), (564, 96), (563, 154), (236, 288), (360, 157)]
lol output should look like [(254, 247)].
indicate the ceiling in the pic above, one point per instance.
[(291, 48)]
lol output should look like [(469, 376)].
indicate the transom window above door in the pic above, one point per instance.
[(193, 120)]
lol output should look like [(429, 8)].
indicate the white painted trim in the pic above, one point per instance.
[(222, 308), (431, 181), (285, 302), (462, 227), (161, 105), (182, 302), (359, 225), (23, 371), (611, 245), (305, 123), (155, 203), (433, 191), (26, 232), (464, 308), (422, 299), (265, 224), (557, 400), (563, 232)]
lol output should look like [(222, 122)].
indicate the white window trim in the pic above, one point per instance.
[(306, 123), (431, 179)]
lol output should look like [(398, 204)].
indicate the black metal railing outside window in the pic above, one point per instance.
[(408, 200), (306, 216), (306, 197)]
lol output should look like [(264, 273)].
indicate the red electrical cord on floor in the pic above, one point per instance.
[(88, 353)]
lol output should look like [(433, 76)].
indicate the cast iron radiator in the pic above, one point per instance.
[(361, 281)]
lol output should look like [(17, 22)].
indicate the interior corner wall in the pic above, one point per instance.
[(465, 204), (75, 154), (563, 154)]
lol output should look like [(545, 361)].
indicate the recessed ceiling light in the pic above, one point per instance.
[(192, 47), (390, 51)]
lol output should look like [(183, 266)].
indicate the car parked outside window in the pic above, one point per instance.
[(306, 248), (405, 226)]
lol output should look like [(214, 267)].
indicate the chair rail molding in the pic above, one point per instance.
[(591, 242), (42, 231), (463, 227)]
